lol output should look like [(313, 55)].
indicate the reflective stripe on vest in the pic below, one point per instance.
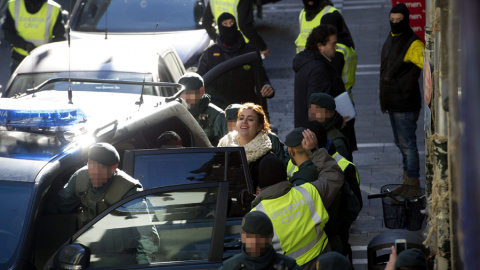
[(306, 27), (298, 230), (349, 66), (343, 164), (36, 28), (220, 6), (291, 169)]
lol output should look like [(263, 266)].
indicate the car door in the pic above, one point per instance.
[(176, 227)]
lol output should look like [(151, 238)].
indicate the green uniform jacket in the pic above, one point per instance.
[(307, 172), (271, 260), (211, 118)]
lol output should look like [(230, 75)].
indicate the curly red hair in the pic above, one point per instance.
[(262, 117)]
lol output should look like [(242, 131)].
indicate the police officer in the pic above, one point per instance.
[(247, 83), (29, 24), (95, 187), (242, 10), (210, 117), (310, 17), (290, 208), (257, 251), (305, 170)]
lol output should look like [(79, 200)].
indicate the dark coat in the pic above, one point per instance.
[(313, 74), (239, 85)]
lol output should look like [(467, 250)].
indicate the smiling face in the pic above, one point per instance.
[(248, 125)]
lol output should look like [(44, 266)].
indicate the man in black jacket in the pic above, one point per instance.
[(314, 72), (247, 83), (401, 65)]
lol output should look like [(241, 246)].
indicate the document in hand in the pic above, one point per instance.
[(345, 106)]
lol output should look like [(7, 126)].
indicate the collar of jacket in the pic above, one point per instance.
[(262, 262), (229, 49), (272, 192), (200, 106)]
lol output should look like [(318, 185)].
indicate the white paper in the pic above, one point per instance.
[(345, 106)]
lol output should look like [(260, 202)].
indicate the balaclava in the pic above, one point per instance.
[(33, 6), (228, 35), (316, 4), (404, 25)]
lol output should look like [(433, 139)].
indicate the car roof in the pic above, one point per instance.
[(93, 55)]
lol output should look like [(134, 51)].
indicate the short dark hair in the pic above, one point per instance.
[(320, 34)]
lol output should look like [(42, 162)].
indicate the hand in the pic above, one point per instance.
[(344, 121), (267, 91), (29, 47), (392, 260), (266, 52), (309, 141)]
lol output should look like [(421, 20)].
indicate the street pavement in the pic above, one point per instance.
[(378, 160)]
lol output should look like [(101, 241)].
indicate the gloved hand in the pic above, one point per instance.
[(29, 47)]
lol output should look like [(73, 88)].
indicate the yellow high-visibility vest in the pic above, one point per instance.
[(343, 164), (36, 28), (306, 27), (298, 219), (220, 6), (349, 67)]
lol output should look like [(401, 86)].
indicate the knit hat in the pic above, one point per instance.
[(411, 257), (231, 112), (271, 171), (257, 222), (104, 153), (333, 261), (323, 100), (295, 137), (191, 81)]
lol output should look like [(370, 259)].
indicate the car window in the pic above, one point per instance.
[(156, 228), (176, 167), (137, 16), (23, 82)]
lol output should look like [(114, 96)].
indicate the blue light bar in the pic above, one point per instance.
[(13, 113)]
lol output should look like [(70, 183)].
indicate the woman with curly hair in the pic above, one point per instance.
[(251, 133)]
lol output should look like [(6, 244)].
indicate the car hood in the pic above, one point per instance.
[(188, 44)]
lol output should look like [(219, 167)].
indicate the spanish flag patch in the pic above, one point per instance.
[(216, 54)]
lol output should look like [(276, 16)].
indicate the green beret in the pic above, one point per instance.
[(295, 137), (411, 257), (323, 100), (104, 153), (191, 81), (333, 261), (231, 112), (257, 222)]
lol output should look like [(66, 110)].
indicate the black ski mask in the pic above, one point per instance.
[(316, 4), (228, 35), (403, 25), (33, 6)]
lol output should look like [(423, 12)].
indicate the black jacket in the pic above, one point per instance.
[(399, 87), (239, 85), (244, 22), (313, 74)]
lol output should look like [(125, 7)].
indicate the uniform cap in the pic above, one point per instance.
[(333, 261), (231, 112), (323, 100), (411, 257), (295, 137), (257, 222), (191, 81), (104, 153)]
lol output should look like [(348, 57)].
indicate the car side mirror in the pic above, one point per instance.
[(73, 256)]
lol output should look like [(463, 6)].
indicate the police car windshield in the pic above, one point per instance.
[(14, 199), (23, 82), (138, 16)]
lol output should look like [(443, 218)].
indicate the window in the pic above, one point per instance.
[(157, 228)]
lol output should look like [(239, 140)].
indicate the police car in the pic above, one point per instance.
[(144, 21), (44, 138)]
